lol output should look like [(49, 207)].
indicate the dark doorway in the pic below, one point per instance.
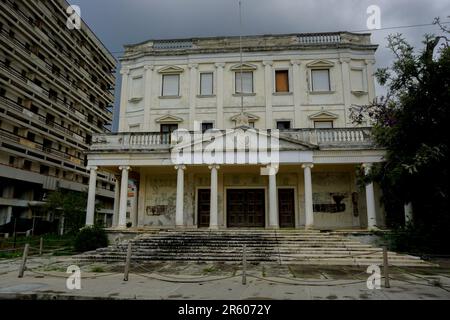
[(203, 207), (286, 208), (246, 208)]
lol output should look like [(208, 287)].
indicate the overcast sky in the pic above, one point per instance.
[(120, 22)]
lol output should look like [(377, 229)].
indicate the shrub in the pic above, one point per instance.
[(90, 238)]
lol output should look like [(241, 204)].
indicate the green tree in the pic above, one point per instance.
[(412, 122)]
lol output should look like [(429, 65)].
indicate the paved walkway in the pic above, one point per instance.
[(46, 279)]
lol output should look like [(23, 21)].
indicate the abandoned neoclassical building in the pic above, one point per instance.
[(297, 89)]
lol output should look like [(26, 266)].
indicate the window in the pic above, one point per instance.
[(206, 84), (171, 85), (357, 78), (282, 81), (283, 125), (320, 80), (168, 127), (323, 124), (246, 84), (207, 126)]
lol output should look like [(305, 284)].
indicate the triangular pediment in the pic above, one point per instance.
[(320, 64), (323, 115), (251, 117), (171, 69), (244, 67), (169, 118)]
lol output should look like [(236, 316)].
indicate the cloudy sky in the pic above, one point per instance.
[(119, 22)]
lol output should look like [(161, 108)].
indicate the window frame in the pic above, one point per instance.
[(283, 121), (212, 84), (206, 122), (235, 82), (311, 72), (288, 80), (162, 84)]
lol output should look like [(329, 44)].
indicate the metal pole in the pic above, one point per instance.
[(41, 246), (15, 223), (24, 260), (386, 268), (127, 263), (244, 265)]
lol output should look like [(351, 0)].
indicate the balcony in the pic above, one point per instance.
[(338, 138)]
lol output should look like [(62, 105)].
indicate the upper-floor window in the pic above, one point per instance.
[(283, 125), (244, 82), (206, 84), (207, 126), (320, 80), (281, 81), (169, 127), (171, 85)]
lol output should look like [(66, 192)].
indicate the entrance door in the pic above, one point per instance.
[(203, 207), (286, 208), (245, 208)]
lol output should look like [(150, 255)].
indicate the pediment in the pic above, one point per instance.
[(169, 118), (251, 117), (323, 115), (171, 69), (244, 67), (320, 64)]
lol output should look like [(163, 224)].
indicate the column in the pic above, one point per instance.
[(192, 94), (370, 79), (148, 85), (296, 91), (116, 202), (370, 200), (345, 71), (90, 210), (408, 213), (219, 95), (123, 100), (179, 213), (268, 76), (309, 210), (214, 214), (123, 197), (273, 205)]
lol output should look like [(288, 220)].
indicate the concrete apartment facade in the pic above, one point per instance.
[(56, 91), (304, 85)]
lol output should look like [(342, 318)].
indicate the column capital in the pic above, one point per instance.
[(214, 166), (345, 60), (126, 168), (367, 167), (124, 71), (308, 165), (296, 62), (193, 65), (149, 67), (369, 61), (91, 168), (220, 64), (267, 63), (182, 167)]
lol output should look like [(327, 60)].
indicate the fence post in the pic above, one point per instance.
[(386, 268), (244, 265), (127, 263), (24, 260), (41, 246)]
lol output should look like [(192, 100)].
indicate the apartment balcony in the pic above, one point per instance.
[(337, 138)]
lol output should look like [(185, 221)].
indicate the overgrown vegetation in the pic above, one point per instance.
[(411, 122), (90, 238)]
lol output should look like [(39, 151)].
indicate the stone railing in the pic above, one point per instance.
[(324, 138)]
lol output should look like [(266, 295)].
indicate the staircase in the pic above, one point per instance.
[(283, 247)]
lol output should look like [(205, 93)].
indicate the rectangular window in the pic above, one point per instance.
[(137, 85), (247, 82), (206, 84), (282, 81), (357, 77), (323, 124), (168, 128), (207, 126), (283, 125), (320, 80), (171, 85)]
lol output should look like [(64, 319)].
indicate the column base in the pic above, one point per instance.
[(309, 227), (213, 228), (273, 227)]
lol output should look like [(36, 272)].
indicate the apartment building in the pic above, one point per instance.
[(56, 91)]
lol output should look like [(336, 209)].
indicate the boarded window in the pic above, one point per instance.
[(323, 124), (357, 77), (171, 85), (247, 82), (320, 80), (282, 81), (137, 87), (206, 84)]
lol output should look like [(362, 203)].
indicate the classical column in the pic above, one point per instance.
[(148, 96), (90, 210), (309, 210), (408, 213), (219, 95), (214, 214), (370, 79), (192, 94), (268, 76), (124, 100), (273, 205), (345, 72), (116, 202), (179, 213), (370, 200), (123, 197), (296, 91)]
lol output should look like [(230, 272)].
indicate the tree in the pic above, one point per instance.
[(412, 123)]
